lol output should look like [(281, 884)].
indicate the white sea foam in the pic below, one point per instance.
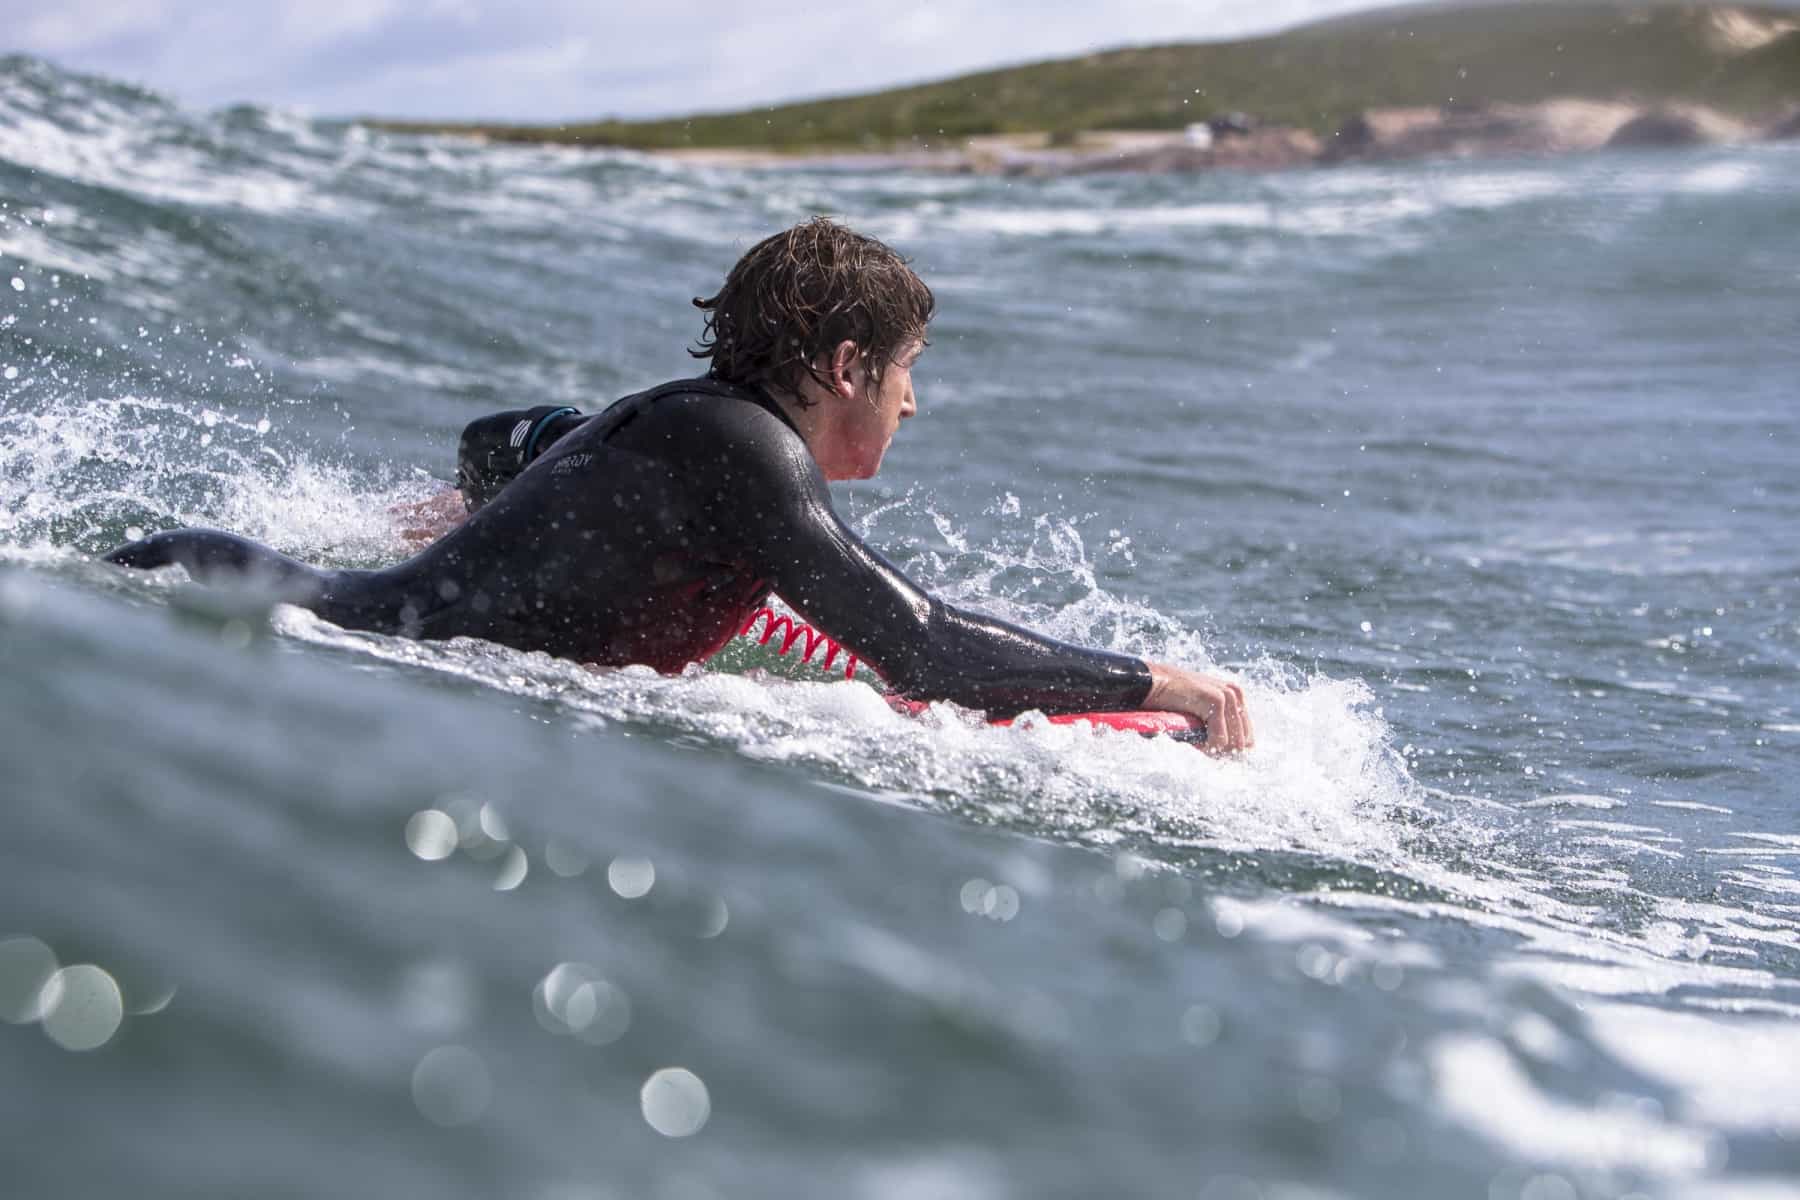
[(97, 464), (1486, 1072), (1482, 1085), (1731, 1074), (1317, 783), (150, 151), (1574, 800), (1716, 178)]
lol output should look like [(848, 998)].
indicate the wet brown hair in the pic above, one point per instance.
[(796, 295)]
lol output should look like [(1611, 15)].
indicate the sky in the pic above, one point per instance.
[(551, 60)]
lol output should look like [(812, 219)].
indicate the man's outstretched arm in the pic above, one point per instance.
[(930, 650)]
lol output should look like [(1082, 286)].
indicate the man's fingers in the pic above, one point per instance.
[(1249, 730), (1218, 729), (1219, 703), (1228, 727), (1224, 735)]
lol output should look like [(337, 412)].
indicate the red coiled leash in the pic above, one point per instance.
[(794, 632), (1180, 726)]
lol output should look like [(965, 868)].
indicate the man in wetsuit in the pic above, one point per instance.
[(649, 532)]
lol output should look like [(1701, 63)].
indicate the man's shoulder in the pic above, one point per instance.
[(696, 408)]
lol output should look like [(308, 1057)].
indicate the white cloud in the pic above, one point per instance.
[(304, 26), (74, 27)]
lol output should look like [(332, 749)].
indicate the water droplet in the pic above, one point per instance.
[(18, 285), (82, 1007), (1319, 1100), (972, 895), (451, 1086), (431, 834), (1001, 903), (631, 877), (513, 869), (150, 999), (717, 917), (564, 859), (599, 1012), (1315, 962), (26, 966), (437, 998), (551, 995), (1200, 1025), (1548, 1187), (492, 823), (675, 1102), (573, 999), (1170, 924)]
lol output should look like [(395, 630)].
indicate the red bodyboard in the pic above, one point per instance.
[(808, 639), (1148, 722)]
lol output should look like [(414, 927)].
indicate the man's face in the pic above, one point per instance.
[(873, 414)]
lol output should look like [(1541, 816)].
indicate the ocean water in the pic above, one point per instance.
[(1478, 475)]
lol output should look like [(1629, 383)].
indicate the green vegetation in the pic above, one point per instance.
[(1314, 77)]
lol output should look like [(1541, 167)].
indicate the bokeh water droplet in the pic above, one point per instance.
[(1200, 1025), (83, 1007), (431, 834), (513, 869), (564, 858), (717, 917), (26, 966), (451, 1086), (631, 877), (675, 1102), (1169, 924)]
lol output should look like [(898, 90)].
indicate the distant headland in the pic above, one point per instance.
[(1428, 81)]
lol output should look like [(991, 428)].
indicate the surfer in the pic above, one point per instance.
[(648, 532)]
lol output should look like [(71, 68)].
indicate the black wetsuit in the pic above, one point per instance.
[(649, 534)]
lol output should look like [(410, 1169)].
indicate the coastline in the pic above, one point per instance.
[(1566, 125), (1418, 81)]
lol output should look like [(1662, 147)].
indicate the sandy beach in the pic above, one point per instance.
[(1561, 126)]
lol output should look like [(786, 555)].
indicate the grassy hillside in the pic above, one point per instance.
[(1313, 77)]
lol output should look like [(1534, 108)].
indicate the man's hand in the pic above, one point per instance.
[(1218, 702), (422, 522)]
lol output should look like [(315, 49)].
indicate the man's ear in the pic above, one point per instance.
[(843, 359)]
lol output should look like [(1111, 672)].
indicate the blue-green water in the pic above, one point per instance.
[(1477, 474)]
